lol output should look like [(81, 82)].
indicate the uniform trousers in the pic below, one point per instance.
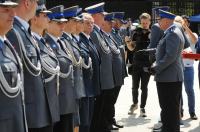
[(65, 124), (107, 109), (43, 129), (169, 94), (114, 97)]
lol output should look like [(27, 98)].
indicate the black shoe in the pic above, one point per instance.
[(112, 127), (182, 114), (118, 125), (181, 122), (193, 116), (157, 127)]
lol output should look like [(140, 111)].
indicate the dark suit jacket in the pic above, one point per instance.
[(106, 71), (89, 50), (37, 111), (67, 98)]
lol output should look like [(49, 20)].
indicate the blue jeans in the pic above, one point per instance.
[(189, 82)]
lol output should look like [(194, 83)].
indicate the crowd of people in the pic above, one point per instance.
[(62, 68)]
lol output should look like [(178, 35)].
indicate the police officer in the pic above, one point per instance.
[(86, 103), (116, 35), (140, 38), (119, 40), (67, 103), (71, 40), (156, 32), (50, 65), (169, 71), (106, 76), (37, 110), (12, 117), (117, 65)]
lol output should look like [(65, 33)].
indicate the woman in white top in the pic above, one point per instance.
[(188, 68)]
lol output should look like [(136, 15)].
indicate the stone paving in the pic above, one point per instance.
[(134, 123)]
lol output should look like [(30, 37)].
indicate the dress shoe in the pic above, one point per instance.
[(112, 127), (193, 116), (118, 125)]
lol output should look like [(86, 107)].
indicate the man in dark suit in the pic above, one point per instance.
[(37, 110), (106, 76), (168, 70), (12, 114), (90, 74)]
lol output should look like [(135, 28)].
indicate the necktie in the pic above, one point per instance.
[(42, 40), (29, 31), (59, 43), (1, 44)]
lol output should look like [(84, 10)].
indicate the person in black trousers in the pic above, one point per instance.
[(168, 71), (140, 38)]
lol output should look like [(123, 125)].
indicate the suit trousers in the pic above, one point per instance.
[(102, 107), (97, 114), (65, 124), (43, 129), (86, 113), (169, 94)]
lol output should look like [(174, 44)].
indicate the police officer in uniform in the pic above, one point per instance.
[(117, 65), (106, 71), (70, 38), (168, 71), (156, 32), (115, 34), (66, 91), (37, 110), (119, 40), (12, 116), (50, 65)]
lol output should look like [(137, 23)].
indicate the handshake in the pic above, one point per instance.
[(150, 70)]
